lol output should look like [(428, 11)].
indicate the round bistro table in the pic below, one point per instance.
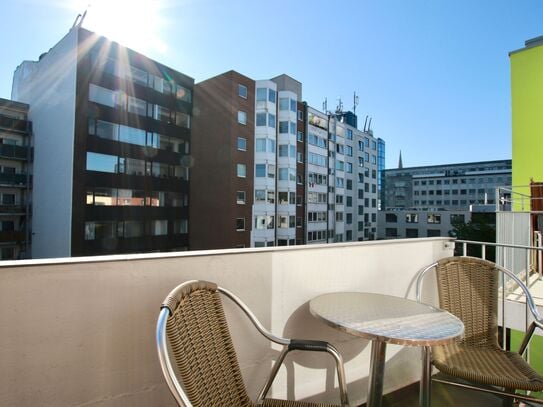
[(387, 319)]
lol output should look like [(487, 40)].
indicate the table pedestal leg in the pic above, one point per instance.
[(425, 390), (377, 371)]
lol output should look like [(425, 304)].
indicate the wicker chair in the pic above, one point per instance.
[(468, 288), (193, 319)]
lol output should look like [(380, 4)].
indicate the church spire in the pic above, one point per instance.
[(400, 164)]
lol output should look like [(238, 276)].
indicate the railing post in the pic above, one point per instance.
[(483, 252), (465, 249)]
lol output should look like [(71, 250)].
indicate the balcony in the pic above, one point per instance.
[(11, 236), (12, 209), (13, 179), (80, 331), (13, 152), (12, 124)]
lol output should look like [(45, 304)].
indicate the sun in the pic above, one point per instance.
[(135, 24)]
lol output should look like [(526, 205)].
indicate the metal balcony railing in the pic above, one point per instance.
[(13, 208), (7, 178), (14, 152)]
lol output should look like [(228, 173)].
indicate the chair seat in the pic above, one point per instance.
[(292, 403), (491, 366)]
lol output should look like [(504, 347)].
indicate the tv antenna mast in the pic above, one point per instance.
[(355, 102), (79, 19), (339, 108)]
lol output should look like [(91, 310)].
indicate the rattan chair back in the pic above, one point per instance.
[(468, 288), (200, 341)]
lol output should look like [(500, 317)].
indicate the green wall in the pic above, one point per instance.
[(527, 110)]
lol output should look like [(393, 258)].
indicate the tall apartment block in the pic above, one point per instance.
[(270, 170), (111, 152), (15, 180)]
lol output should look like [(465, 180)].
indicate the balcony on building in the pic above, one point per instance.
[(13, 179), (14, 152), (80, 331)]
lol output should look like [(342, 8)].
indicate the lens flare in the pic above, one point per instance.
[(135, 24)]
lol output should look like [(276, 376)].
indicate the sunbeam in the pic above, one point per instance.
[(135, 24)]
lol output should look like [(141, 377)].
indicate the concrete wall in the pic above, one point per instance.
[(81, 331), (48, 86)]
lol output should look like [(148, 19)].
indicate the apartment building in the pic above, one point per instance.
[(15, 180), (404, 223), (111, 152), (446, 187), (222, 187), (281, 172), (427, 201)]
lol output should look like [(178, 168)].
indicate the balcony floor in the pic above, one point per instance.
[(444, 396)]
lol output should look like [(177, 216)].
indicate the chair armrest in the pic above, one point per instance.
[(305, 344), (538, 320), (252, 317), (291, 344)]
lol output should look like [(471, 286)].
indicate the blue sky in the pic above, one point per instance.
[(433, 74)]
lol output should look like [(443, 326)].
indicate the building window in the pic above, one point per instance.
[(271, 120), (261, 119), (292, 128), (264, 222), (242, 117), (240, 197), (242, 144), (260, 195), (240, 224), (102, 163), (300, 115), (261, 94), (433, 233), (272, 95), (300, 136), (283, 127), (159, 227), (411, 233), (412, 218), (242, 91), (242, 170), (283, 104), (434, 218), (391, 218), (293, 105), (260, 170)]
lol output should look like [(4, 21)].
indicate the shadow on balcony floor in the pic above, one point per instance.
[(444, 396)]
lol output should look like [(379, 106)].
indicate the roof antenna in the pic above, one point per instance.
[(79, 19), (84, 15), (355, 102), (76, 20)]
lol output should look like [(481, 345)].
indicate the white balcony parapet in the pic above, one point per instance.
[(80, 331)]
